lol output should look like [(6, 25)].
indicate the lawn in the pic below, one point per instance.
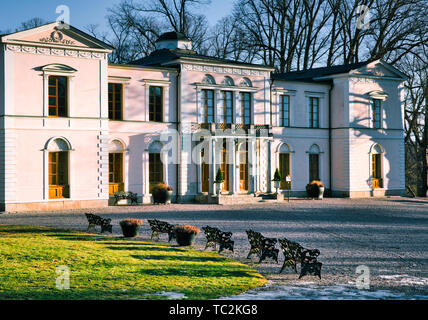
[(112, 268)]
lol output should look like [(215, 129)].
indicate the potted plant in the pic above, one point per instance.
[(277, 178), (186, 234), (315, 189), (162, 193), (130, 227), (219, 180)]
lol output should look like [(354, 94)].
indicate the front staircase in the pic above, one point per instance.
[(236, 198)]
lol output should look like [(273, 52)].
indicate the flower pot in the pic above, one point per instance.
[(321, 193), (185, 239), (169, 197), (219, 187), (130, 231)]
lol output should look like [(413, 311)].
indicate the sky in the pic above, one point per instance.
[(82, 12)]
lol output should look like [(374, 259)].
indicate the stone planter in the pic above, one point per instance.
[(169, 195), (185, 239), (219, 187), (321, 193), (130, 231)]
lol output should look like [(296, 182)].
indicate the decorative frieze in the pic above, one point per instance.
[(225, 70), (56, 51)]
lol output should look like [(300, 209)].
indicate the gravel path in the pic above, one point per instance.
[(389, 236)]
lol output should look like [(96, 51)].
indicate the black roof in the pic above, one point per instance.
[(162, 56), (309, 75), (172, 36)]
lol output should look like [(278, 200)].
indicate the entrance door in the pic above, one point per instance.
[(314, 167), (116, 173), (58, 175), (205, 175), (224, 167), (377, 171), (284, 169), (243, 171)]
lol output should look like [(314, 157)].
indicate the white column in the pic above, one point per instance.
[(126, 170), (146, 173), (146, 102), (237, 169), (45, 95), (125, 101), (232, 176), (166, 110), (45, 174), (71, 111), (71, 174), (237, 114), (213, 168), (269, 166), (164, 159)]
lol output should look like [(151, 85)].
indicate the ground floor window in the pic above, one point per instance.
[(116, 183), (155, 170), (58, 175)]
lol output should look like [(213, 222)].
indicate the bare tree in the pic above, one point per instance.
[(32, 23)]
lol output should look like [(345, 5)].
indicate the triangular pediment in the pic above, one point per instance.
[(56, 35), (379, 68)]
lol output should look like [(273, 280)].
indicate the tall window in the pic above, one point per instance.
[(246, 107), (115, 173), (155, 170), (228, 105), (314, 104), (377, 106), (58, 175), (58, 88), (284, 111), (208, 105), (115, 101), (156, 104)]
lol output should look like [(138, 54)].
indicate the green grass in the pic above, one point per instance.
[(112, 268)]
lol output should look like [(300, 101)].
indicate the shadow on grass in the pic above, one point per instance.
[(202, 271), (147, 247), (180, 258)]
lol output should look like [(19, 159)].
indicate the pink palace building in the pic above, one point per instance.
[(75, 129)]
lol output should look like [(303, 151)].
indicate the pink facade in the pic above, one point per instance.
[(290, 122)]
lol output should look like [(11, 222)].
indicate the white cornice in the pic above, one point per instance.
[(63, 51), (226, 69)]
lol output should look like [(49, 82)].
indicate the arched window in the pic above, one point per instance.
[(209, 79), (377, 166), (314, 163), (156, 166), (246, 83), (284, 165), (228, 81), (58, 168), (116, 167)]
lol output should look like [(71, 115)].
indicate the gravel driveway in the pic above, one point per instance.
[(389, 236)]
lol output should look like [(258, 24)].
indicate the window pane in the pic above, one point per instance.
[(156, 104)]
